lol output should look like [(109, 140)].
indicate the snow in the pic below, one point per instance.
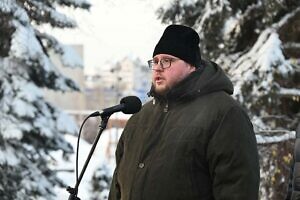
[(270, 54), (24, 44), (284, 20), (70, 127), (25, 115), (211, 8), (7, 6), (231, 24), (289, 91), (28, 91), (10, 6), (204, 18), (34, 179), (292, 45), (22, 108), (20, 96), (62, 19), (26, 47), (44, 125), (10, 130), (78, 2), (261, 139), (259, 64), (21, 15), (99, 158), (8, 156), (187, 2), (70, 58), (59, 19)]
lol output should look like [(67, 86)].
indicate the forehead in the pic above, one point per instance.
[(161, 56)]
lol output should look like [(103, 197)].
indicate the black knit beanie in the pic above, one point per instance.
[(182, 42)]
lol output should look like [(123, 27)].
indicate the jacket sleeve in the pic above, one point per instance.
[(233, 158), (115, 193)]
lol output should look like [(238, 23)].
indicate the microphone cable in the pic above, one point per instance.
[(128, 105), (94, 114)]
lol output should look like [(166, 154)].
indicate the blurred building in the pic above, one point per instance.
[(112, 82)]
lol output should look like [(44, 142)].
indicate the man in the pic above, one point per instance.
[(192, 141)]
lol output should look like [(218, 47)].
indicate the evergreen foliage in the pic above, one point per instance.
[(30, 127), (101, 183)]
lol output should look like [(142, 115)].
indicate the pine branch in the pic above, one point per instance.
[(41, 13), (76, 4), (49, 42), (286, 18), (289, 45), (289, 92), (287, 135), (63, 170)]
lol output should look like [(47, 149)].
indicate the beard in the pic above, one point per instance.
[(161, 90)]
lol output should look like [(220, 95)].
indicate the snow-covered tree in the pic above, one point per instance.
[(100, 183), (258, 43), (30, 127)]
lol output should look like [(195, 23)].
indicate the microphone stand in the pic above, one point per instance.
[(74, 191)]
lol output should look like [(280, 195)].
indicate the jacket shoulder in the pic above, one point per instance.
[(219, 101)]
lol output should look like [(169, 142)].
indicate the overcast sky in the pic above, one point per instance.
[(114, 29)]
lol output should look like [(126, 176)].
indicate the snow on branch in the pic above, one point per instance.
[(76, 3), (7, 6), (10, 7), (288, 45), (288, 135), (8, 156), (289, 92), (68, 56), (285, 19), (24, 44), (26, 47), (250, 9), (211, 10), (295, 62), (259, 63), (265, 56), (43, 13)]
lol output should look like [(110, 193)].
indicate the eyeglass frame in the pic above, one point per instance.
[(151, 63)]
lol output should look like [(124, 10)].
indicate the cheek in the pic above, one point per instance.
[(172, 79), (179, 76)]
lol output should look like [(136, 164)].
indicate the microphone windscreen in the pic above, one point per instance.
[(132, 104)]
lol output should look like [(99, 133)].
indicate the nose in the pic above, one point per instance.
[(158, 67)]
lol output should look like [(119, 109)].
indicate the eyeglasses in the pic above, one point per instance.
[(164, 63)]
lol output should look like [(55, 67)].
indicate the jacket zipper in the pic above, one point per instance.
[(166, 108)]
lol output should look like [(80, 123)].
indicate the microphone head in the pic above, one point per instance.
[(132, 104)]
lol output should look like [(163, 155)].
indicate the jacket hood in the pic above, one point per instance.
[(208, 79)]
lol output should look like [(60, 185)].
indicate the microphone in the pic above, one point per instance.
[(128, 105)]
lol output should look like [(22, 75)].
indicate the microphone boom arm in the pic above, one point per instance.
[(128, 105), (74, 191)]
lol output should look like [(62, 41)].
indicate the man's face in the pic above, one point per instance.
[(165, 79)]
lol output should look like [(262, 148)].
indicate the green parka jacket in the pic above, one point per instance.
[(197, 143)]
